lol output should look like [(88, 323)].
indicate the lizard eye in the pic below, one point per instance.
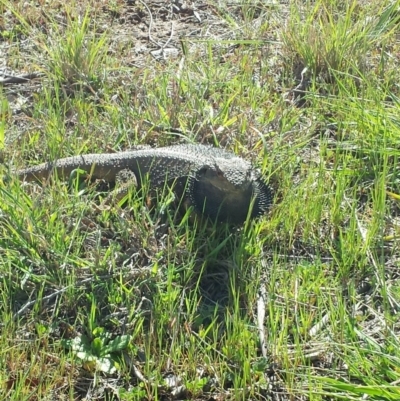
[(210, 171)]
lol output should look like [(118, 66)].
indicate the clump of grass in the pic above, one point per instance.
[(77, 57), (328, 36)]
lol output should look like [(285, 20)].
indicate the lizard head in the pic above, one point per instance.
[(227, 189)]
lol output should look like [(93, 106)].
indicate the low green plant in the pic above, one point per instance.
[(100, 352)]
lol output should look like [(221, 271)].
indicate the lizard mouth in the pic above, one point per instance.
[(224, 185), (230, 182)]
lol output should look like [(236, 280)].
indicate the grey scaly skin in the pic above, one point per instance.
[(217, 183)]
